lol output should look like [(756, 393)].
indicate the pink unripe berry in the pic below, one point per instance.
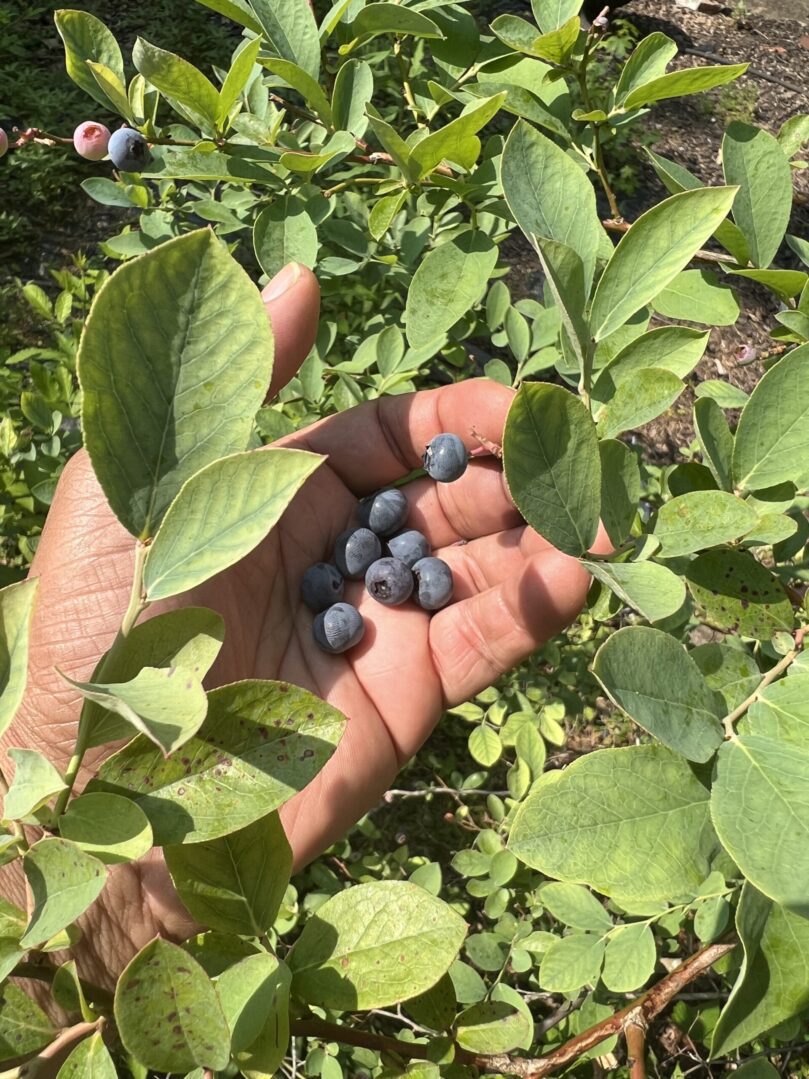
[(3, 142), (90, 140)]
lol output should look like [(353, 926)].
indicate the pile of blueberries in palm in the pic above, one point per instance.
[(406, 570)]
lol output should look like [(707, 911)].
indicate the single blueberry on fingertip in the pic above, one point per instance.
[(389, 581), (384, 512), (322, 585), (355, 550), (409, 546), (338, 628), (445, 458), (128, 150), (434, 583)]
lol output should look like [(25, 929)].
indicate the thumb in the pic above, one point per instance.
[(292, 300)]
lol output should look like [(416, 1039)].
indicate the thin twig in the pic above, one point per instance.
[(422, 792), (64, 1040), (732, 717), (635, 1027)]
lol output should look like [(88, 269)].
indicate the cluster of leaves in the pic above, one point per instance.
[(583, 881)]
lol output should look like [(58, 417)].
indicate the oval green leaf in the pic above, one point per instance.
[(652, 590), (89, 1060), (701, 519), (64, 881), (16, 609), (735, 593), (753, 159), (112, 828)]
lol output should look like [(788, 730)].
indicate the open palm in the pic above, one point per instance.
[(512, 592)]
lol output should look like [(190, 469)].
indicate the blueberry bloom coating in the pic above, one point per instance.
[(339, 628), (355, 550), (322, 585), (389, 581), (385, 512), (434, 583), (128, 150), (409, 547), (445, 458)]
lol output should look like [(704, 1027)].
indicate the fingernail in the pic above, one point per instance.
[(282, 282)]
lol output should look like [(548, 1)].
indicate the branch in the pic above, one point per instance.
[(635, 1028), (43, 1063), (640, 1011)]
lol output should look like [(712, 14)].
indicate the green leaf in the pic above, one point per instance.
[(772, 439), (784, 283), (180, 388), (284, 232), (552, 465), (89, 1060), (189, 638), (731, 672), (753, 159), (250, 992), (436, 1007), (651, 254), (781, 712), (237, 78), (554, 47), (734, 592), (651, 676), (599, 822), (574, 906), (620, 488), (648, 61), (264, 1057), (220, 514), (692, 80), (551, 14), (670, 348), (112, 87), (373, 945), (794, 134), (35, 782), (340, 144), (353, 90), (572, 962), (715, 440), (711, 918), (383, 212), (176, 163), (167, 704), (484, 745), (260, 743), (773, 981), (493, 1026), (701, 519), (698, 296), (178, 81), (630, 958), (761, 815), (16, 608), (64, 881), (724, 393), (652, 590), (449, 281), (24, 1027), (550, 196), (394, 144), (564, 274), (375, 19), (458, 141), (290, 28), (306, 85), (167, 1011), (238, 11), (638, 401), (236, 883), (112, 828), (87, 38)]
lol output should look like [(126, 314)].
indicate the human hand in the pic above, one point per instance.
[(513, 591)]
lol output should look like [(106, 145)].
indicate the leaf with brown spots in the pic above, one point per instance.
[(734, 592)]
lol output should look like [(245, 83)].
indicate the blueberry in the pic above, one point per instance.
[(389, 581), (355, 550), (322, 585), (409, 547), (385, 512), (339, 628), (446, 458), (3, 142), (434, 583), (91, 140), (128, 150)]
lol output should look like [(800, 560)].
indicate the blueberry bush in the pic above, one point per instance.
[(395, 147)]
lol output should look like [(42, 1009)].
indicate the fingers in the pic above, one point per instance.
[(380, 441), (479, 638), (292, 300), (477, 504)]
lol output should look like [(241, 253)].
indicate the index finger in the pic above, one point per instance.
[(379, 442)]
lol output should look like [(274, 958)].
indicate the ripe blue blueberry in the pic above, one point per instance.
[(409, 547), (434, 583), (322, 585), (385, 512), (445, 458), (389, 581), (128, 150), (339, 628), (355, 550)]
